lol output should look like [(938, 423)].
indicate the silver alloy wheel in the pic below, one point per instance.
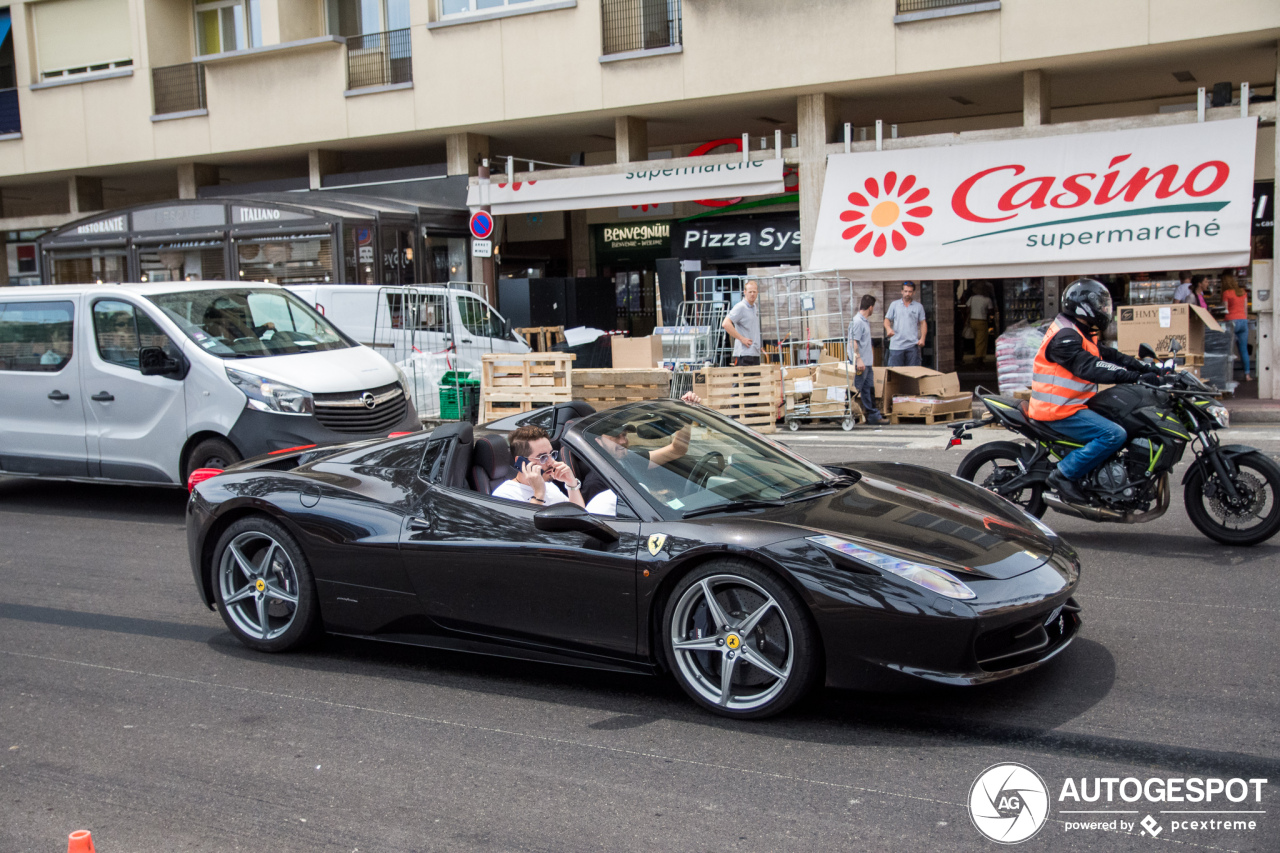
[(259, 585), (709, 656)]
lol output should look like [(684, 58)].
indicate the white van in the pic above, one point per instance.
[(144, 383), (399, 322)]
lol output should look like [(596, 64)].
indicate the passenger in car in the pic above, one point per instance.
[(534, 482)]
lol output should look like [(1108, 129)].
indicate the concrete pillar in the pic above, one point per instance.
[(320, 163), (1268, 367), (1035, 98), (84, 194), (4, 250), (631, 137), (579, 244), (464, 151), (816, 124), (193, 176)]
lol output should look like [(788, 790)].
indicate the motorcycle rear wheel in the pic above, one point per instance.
[(997, 461), (1257, 479)]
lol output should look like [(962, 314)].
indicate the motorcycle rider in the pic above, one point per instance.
[(1067, 370)]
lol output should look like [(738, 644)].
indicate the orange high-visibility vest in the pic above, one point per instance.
[(1056, 393)]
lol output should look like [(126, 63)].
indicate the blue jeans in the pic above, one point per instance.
[(865, 384), (909, 357), (1101, 436), (1241, 331)]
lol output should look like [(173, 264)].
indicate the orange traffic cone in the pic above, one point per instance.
[(80, 841)]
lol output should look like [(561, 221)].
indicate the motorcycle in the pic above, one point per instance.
[(1231, 491)]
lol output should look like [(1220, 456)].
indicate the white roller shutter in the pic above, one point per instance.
[(80, 34)]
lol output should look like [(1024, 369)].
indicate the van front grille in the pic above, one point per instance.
[(350, 413)]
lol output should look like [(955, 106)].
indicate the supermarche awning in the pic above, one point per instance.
[(1121, 201)]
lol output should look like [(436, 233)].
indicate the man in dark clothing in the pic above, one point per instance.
[(1067, 371)]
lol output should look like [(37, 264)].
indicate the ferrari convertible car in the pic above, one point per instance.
[(745, 571)]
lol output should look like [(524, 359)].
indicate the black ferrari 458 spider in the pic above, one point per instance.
[(712, 553)]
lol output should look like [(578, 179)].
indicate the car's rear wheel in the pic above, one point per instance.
[(263, 586), (738, 640)]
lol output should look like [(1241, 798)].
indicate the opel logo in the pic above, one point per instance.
[(368, 400)]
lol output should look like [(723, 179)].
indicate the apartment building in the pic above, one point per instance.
[(360, 127)]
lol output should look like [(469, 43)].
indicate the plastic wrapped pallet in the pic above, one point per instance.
[(1016, 354)]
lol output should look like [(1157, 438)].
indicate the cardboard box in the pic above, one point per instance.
[(921, 382), (922, 406), (641, 353), (1160, 325)]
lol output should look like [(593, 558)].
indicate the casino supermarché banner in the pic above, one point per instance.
[(1120, 201)]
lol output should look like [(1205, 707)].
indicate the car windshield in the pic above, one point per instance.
[(688, 458), (249, 322)]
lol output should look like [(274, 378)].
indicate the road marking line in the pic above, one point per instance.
[(529, 736), (1185, 603)]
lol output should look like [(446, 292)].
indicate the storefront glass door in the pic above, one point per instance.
[(89, 266)]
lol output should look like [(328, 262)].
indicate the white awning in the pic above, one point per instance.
[(1123, 201), (643, 186)]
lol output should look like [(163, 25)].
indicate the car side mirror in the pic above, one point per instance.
[(571, 518), (153, 361), (1146, 351)]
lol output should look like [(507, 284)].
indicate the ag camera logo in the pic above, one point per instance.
[(1008, 803)]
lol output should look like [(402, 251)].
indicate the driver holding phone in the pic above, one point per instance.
[(537, 467)]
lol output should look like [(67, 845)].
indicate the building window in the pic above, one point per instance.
[(640, 25), (226, 25), (467, 7), (82, 37), (358, 17)]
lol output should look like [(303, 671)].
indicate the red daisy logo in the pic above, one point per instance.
[(888, 212), (517, 185)]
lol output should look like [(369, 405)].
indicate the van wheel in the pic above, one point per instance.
[(211, 453)]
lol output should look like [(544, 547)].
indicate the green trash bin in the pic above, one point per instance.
[(459, 396)]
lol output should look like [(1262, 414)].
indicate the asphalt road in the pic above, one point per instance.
[(127, 709)]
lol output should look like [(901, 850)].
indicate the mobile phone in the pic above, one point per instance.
[(521, 461)]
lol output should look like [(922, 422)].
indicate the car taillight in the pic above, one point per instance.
[(199, 475), (291, 449), (397, 434)]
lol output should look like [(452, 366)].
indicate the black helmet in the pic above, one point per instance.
[(1088, 302)]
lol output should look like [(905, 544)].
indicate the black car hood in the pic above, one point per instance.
[(918, 513)]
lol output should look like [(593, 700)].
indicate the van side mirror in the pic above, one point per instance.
[(571, 518), (152, 361), (1146, 351)]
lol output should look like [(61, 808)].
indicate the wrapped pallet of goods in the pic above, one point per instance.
[(1016, 354)]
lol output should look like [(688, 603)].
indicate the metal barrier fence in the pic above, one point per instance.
[(10, 120), (178, 88), (640, 24), (905, 6), (379, 59)]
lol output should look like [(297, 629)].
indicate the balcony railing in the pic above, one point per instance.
[(379, 59), (640, 25), (10, 121), (178, 88), (908, 6)]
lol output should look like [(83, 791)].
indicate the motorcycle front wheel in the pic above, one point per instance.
[(1253, 517), (996, 462)]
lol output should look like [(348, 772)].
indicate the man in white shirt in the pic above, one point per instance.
[(533, 482), (1183, 289), (980, 307), (743, 325)]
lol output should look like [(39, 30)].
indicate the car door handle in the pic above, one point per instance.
[(418, 523), (58, 395), (102, 397)]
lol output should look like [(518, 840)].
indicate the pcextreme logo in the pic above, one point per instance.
[(1009, 803)]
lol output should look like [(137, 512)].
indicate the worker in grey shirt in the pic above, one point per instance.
[(858, 352), (905, 328), (743, 325)]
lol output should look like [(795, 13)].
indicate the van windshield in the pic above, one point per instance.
[(249, 322)]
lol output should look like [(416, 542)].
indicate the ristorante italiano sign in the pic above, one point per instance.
[(1122, 201)]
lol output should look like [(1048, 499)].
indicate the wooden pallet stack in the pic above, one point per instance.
[(749, 395), (541, 338), (605, 388), (511, 384)]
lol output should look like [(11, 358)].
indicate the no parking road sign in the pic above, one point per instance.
[(481, 224)]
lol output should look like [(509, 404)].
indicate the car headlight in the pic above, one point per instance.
[(930, 577), (1220, 414), (404, 382), (268, 395)]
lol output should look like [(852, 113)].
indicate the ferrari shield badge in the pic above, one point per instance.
[(656, 541)]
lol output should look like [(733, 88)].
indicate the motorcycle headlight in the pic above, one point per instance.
[(1220, 414), (931, 578), (268, 395)]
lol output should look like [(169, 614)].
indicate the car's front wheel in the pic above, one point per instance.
[(738, 640), (263, 586)]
